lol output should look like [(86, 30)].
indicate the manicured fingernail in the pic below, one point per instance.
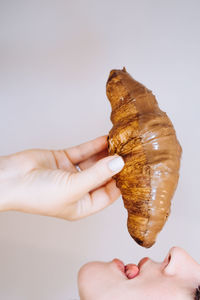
[(116, 164)]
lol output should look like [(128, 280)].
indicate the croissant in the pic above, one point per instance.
[(145, 137)]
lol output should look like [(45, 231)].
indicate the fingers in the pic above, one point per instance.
[(87, 180), (93, 159), (104, 196), (84, 151), (97, 200), (61, 161)]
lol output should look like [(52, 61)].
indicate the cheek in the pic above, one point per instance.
[(151, 290), (159, 287)]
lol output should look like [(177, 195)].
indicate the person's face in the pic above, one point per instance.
[(175, 278)]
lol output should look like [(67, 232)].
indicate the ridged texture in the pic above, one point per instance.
[(145, 137)]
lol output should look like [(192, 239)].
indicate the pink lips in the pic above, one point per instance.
[(130, 270), (142, 262), (119, 264)]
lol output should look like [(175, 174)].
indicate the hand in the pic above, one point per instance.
[(47, 182)]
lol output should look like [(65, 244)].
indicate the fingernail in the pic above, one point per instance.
[(116, 164)]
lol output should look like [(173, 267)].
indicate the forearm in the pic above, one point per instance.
[(5, 189), (4, 203)]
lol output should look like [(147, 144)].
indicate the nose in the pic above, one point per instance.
[(181, 263)]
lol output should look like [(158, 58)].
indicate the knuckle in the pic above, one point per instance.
[(100, 173)]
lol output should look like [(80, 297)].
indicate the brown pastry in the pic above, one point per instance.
[(145, 137)]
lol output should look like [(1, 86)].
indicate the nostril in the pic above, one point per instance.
[(169, 258)]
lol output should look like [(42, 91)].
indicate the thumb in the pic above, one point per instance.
[(96, 175)]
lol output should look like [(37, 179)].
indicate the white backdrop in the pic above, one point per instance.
[(55, 57)]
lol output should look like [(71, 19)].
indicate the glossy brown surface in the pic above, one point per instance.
[(145, 137)]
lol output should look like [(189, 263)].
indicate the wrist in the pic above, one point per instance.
[(4, 184)]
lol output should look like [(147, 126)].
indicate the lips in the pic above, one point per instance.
[(142, 262), (119, 264), (130, 270)]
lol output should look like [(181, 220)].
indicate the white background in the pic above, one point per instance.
[(55, 57)]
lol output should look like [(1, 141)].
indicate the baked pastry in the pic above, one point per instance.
[(145, 137)]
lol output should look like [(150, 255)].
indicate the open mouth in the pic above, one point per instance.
[(130, 270)]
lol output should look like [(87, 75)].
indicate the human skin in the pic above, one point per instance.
[(176, 278), (47, 182)]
